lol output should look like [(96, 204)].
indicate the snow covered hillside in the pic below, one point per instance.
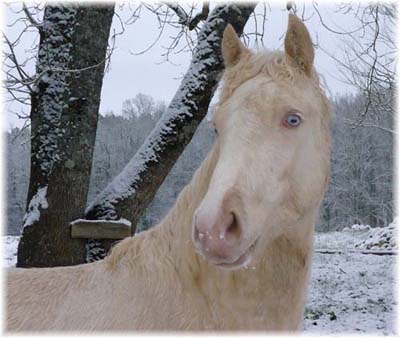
[(349, 292)]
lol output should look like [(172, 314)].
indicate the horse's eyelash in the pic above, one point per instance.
[(297, 113)]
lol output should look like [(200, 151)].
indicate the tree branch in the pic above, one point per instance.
[(31, 19), (185, 19)]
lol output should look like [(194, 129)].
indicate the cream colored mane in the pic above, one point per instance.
[(175, 226)]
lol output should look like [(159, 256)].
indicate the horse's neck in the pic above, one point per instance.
[(178, 223)]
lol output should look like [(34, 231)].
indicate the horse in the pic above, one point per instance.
[(234, 253)]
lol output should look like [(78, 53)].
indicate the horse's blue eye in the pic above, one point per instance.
[(292, 120)]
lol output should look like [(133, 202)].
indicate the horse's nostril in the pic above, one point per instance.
[(233, 230), (196, 234)]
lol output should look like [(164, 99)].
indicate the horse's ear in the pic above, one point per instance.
[(232, 47), (298, 44)]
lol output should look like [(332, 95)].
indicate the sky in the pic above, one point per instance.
[(129, 73)]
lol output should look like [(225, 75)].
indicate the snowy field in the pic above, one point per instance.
[(352, 293), (349, 292)]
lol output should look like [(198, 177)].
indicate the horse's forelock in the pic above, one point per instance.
[(274, 64)]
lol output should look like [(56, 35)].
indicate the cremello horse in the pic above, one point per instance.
[(234, 252)]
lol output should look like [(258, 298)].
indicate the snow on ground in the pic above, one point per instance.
[(348, 293), (351, 293)]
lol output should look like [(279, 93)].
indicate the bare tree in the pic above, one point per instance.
[(139, 105), (369, 57), (362, 176)]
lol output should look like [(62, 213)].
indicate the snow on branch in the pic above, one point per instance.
[(185, 19), (133, 189)]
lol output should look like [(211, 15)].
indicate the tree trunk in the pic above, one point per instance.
[(64, 113), (128, 195)]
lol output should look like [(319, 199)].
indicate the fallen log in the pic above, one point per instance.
[(364, 252)]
